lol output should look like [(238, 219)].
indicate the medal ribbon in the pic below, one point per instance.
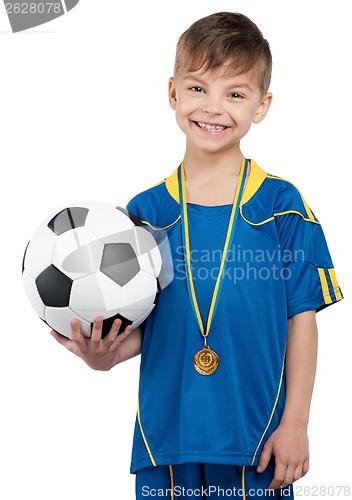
[(227, 244)]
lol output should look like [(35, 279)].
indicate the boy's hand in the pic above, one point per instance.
[(98, 353), (289, 445)]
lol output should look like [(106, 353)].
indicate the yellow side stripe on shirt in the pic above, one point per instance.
[(324, 286), (335, 284), (273, 409), (143, 435)]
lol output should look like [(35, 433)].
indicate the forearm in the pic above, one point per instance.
[(289, 442), (130, 347), (301, 360)]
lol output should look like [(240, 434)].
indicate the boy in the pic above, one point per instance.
[(229, 352)]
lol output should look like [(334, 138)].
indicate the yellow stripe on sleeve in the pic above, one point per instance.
[(335, 284), (324, 286)]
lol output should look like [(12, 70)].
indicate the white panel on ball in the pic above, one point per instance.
[(78, 242), (134, 301), (107, 221), (33, 295), (59, 319), (39, 253), (95, 295)]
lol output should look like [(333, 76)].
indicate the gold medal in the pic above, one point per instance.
[(206, 361)]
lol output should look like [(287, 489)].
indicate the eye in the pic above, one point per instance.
[(196, 89), (236, 95)]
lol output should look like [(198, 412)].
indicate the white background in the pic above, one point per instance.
[(84, 115)]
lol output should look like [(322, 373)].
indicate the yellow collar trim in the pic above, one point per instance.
[(172, 185), (255, 180)]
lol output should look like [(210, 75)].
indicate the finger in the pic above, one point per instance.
[(97, 329), (288, 479), (298, 472), (122, 336), (305, 467), (76, 334), (279, 476), (264, 457), (61, 339), (114, 330)]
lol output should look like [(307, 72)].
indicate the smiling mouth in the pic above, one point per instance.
[(211, 128)]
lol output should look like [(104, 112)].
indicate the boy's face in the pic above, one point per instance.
[(215, 110)]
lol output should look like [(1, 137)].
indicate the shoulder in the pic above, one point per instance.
[(276, 197), (140, 200), (155, 206), (289, 199)]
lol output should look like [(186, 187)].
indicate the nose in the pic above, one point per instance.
[(212, 105)]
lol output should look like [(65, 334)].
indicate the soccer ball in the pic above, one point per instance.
[(92, 259)]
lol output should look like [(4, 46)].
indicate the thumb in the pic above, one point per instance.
[(265, 457)]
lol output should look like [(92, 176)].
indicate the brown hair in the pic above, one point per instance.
[(225, 38)]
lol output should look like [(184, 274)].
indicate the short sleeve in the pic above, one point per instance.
[(310, 279)]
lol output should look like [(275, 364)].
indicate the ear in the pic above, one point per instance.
[(172, 93), (263, 108)]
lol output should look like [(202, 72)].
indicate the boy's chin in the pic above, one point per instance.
[(210, 149)]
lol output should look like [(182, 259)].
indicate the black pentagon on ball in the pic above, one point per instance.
[(119, 262), (107, 324), (54, 287), (67, 219)]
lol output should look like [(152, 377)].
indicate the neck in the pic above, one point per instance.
[(205, 165)]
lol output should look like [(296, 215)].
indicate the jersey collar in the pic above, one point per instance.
[(255, 180)]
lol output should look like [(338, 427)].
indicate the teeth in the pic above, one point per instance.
[(211, 128)]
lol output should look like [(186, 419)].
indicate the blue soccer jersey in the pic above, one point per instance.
[(278, 265)]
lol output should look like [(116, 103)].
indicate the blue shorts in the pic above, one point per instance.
[(202, 481)]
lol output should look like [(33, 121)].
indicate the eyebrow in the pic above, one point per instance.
[(242, 86)]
